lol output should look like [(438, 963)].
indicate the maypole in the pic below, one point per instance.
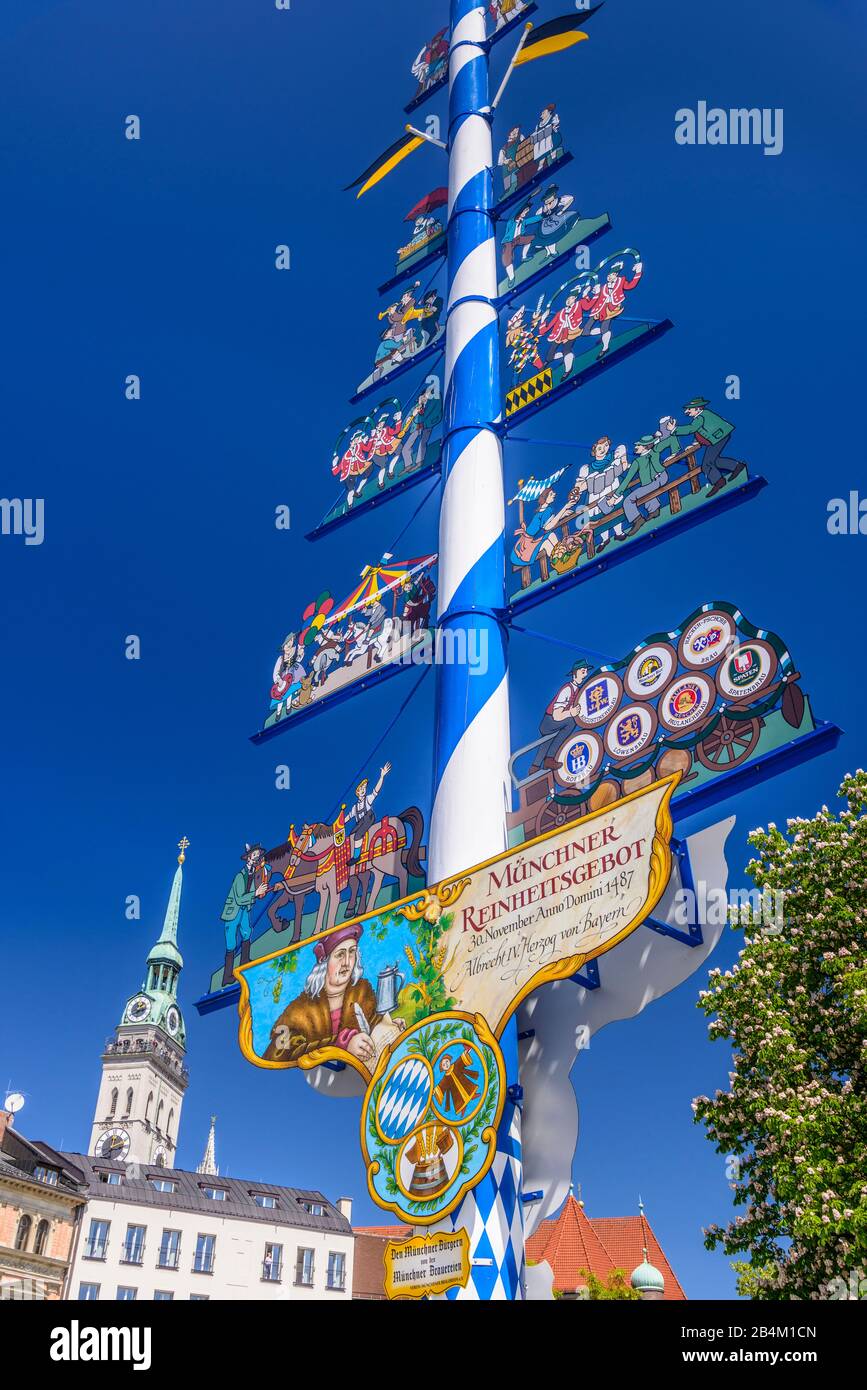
[(424, 967), (472, 747)]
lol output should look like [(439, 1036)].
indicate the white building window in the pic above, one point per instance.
[(272, 1265), (125, 1294), (133, 1245), (88, 1293), (336, 1278), (203, 1260), (304, 1268), (97, 1240), (170, 1250), (163, 1295)]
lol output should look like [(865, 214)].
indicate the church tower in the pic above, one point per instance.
[(138, 1108)]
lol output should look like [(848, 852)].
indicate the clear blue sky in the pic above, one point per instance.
[(156, 258)]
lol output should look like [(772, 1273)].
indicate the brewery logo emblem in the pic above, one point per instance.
[(707, 639), (578, 760), (598, 699), (630, 731), (747, 671), (686, 702), (649, 670)]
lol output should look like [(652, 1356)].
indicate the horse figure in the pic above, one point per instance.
[(320, 863)]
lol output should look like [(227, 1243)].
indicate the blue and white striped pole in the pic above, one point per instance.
[(471, 790)]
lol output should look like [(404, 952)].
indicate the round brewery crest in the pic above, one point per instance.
[(430, 1115)]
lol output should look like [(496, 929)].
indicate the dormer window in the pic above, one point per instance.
[(216, 1194), (314, 1208)]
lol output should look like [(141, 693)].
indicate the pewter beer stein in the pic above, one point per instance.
[(388, 987)]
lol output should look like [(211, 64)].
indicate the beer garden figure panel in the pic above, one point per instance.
[(428, 230), (395, 441), (539, 231), (616, 491), (430, 65), (338, 644), (573, 330), (523, 158), (413, 324)]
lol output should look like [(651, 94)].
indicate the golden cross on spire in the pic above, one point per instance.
[(183, 845)]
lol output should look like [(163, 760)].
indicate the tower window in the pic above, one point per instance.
[(128, 1109), (169, 1123), (113, 1109), (22, 1235), (150, 1101), (160, 1114)]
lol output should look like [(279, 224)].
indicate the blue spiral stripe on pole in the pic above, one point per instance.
[(471, 781)]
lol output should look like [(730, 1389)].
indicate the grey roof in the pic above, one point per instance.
[(189, 1195), (20, 1157)]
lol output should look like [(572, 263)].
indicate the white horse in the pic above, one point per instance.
[(381, 643)]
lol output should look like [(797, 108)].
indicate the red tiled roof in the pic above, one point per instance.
[(625, 1237), (571, 1242)]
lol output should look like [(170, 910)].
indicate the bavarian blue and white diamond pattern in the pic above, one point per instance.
[(405, 1098), (493, 1216)]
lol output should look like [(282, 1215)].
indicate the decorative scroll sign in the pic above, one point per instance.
[(478, 944), (427, 1264)]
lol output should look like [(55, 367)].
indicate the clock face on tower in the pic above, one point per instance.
[(114, 1144), (173, 1020), (138, 1009)]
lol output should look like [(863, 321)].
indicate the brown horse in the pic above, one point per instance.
[(316, 870)]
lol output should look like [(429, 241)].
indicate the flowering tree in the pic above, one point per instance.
[(794, 1120)]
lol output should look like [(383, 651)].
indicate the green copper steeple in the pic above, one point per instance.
[(156, 1002)]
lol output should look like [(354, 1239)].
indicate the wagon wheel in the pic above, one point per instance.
[(553, 815), (731, 742)]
